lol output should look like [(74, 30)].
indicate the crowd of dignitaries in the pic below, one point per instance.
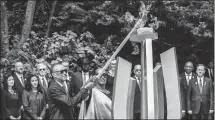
[(59, 96), (38, 96), (197, 91)]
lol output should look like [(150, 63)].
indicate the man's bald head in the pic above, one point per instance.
[(65, 64), (18, 64), (57, 67), (59, 72), (188, 67), (19, 67)]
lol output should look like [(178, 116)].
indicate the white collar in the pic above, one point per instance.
[(200, 78), (59, 83), (18, 75), (86, 73), (40, 77), (188, 74), (136, 77)]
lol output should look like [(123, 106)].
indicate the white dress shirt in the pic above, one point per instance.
[(188, 77), (63, 85), (85, 76), (43, 78), (138, 82), (21, 79), (198, 79)]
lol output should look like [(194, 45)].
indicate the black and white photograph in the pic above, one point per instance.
[(100, 59)]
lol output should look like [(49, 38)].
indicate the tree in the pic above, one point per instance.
[(4, 30), (26, 29), (50, 18)]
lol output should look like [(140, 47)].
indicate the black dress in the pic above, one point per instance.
[(3, 113), (13, 104)]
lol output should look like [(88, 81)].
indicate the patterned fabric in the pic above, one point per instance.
[(99, 107)]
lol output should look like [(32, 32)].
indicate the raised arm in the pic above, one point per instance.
[(57, 95)]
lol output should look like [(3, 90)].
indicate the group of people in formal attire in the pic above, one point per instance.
[(197, 91), (64, 95), (80, 95)]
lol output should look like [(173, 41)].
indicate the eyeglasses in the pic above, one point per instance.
[(62, 71), (138, 70), (42, 69)]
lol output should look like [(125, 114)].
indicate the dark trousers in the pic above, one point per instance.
[(200, 115), (136, 116), (186, 117)]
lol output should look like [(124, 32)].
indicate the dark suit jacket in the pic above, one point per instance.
[(18, 84), (194, 97), (45, 89), (184, 87), (137, 98), (3, 113), (77, 80), (61, 105), (207, 75)]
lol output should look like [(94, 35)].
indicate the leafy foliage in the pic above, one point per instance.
[(95, 28)]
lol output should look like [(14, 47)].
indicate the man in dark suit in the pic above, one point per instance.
[(210, 71), (200, 95), (137, 95), (79, 78), (42, 74), (61, 105), (44, 81), (19, 78), (69, 72), (185, 77)]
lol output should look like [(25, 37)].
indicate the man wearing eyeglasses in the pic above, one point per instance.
[(44, 81), (61, 104), (42, 72), (137, 96), (19, 78), (200, 95)]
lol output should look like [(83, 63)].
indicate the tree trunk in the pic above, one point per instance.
[(4, 30), (50, 18), (29, 15)]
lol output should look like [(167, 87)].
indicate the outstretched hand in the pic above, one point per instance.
[(92, 79), (89, 85)]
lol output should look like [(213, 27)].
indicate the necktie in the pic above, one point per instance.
[(211, 72), (65, 88), (22, 80), (85, 77), (200, 85), (44, 83), (188, 78), (139, 83)]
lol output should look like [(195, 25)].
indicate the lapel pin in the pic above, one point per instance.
[(196, 82)]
